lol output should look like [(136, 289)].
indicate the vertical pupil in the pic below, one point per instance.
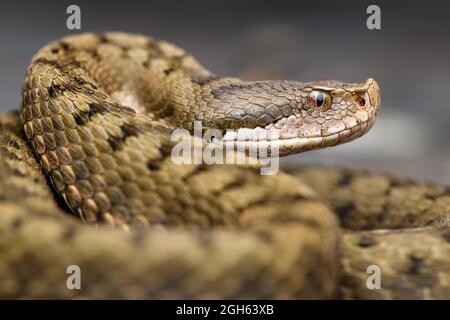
[(319, 99)]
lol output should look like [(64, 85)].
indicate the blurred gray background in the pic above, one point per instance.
[(300, 40)]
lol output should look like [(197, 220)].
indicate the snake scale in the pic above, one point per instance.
[(96, 117)]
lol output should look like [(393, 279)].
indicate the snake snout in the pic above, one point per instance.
[(373, 92)]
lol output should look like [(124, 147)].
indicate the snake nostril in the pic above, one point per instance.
[(360, 101)]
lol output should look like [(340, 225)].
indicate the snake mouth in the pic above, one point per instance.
[(286, 146)]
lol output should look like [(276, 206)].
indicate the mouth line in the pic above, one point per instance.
[(301, 144), (360, 127)]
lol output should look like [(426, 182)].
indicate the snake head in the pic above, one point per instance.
[(295, 117)]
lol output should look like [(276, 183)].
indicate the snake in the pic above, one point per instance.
[(88, 180)]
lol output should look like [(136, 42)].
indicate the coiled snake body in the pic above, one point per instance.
[(98, 110)]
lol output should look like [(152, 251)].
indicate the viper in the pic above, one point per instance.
[(88, 180)]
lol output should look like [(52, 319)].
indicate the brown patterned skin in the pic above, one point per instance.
[(214, 231), (401, 225), (265, 243), (38, 240)]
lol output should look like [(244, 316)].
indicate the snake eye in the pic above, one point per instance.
[(319, 99)]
